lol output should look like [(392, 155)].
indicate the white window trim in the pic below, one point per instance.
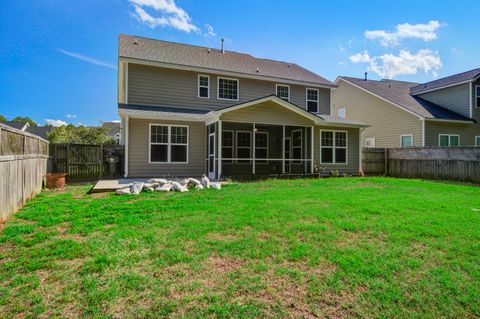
[(229, 161), (294, 160), (333, 147), (169, 143), (218, 88), (449, 137), (317, 100), (261, 160), (405, 135), (370, 139), (285, 85), (344, 112), (477, 96), (202, 86), (243, 147)]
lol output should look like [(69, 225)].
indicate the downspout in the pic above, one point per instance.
[(360, 157), (126, 145)]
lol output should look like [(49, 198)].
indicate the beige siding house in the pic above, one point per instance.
[(444, 112), (189, 110)]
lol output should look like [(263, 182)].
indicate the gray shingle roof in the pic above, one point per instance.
[(113, 128), (162, 109), (41, 131), (398, 92), (449, 80), (17, 125), (203, 57)]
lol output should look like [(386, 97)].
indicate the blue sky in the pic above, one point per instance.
[(58, 58)]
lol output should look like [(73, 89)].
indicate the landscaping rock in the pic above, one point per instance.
[(216, 185), (148, 189), (164, 188), (176, 186), (205, 181), (136, 188), (199, 187), (194, 182), (160, 181), (123, 191), (150, 185)]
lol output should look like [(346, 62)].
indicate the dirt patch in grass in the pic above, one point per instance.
[(221, 236), (221, 265)]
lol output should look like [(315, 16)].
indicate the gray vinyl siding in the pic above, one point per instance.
[(138, 151), (386, 122), (454, 98), (150, 85)]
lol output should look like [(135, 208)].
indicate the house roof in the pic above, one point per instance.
[(210, 58), (398, 93), (168, 109), (113, 128), (447, 81), (41, 131), (17, 125)]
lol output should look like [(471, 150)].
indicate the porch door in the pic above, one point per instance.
[(287, 154), (211, 156)]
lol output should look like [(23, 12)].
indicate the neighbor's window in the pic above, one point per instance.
[(283, 92), (406, 140), (333, 147), (243, 141), (168, 144), (477, 95), (297, 146), (341, 113), (227, 146), (448, 140), (370, 142), (261, 147), (228, 89), (477, 140), (312, 100), (204, 86)]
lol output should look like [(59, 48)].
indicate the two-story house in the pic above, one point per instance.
[(444, 112), (188, 110)]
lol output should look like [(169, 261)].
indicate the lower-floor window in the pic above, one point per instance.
[(333, 147), (406, 140), (168, 144), (243, 143), (448, 140)]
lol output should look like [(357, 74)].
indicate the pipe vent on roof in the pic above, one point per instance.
[(223, 50), (366, 76), (135, 41)]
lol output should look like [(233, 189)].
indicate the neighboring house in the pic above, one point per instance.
[(444, 112), (188, 110), (113, 130), (41, 131)]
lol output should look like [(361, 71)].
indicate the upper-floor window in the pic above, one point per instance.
[(448, 140), (283, 91), (406, 140), (227, 89), (312, 100), (204, 86), (342, 113), (477, 95), (168, 143)]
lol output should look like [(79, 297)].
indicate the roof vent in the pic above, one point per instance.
[(366, 76), (135, 41), (223, 50), (209, 50), (258, 70), (289, 65)]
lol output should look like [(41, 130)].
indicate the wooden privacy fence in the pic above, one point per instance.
[(23, 165), (84, 162), (442, 163)]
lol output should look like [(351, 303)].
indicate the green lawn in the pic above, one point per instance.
[(345, 247)]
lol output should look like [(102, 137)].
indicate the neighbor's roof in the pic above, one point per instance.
[(398, 92), (41, 131), (210, 58), (447, 81), (113, 128), (16, 125)]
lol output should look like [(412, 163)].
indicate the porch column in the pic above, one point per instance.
[(253, 151), (283, 149), (312, 149), (125, 164), (219, 151)]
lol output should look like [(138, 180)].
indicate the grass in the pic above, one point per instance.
[(347, 247)]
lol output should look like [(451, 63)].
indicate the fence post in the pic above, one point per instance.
[(101, 160), (67, 156), (385, 156)]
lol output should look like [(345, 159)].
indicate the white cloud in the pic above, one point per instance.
[(405, 63), (55, 123), (170, 15), (115, 121), (425, 32), (71, 116), (87, 59), (210, 30)]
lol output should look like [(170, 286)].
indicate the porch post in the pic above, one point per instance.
[(125, 163), (219, 152), (312, 149), (253, 152), (283, 149), (305, 156)]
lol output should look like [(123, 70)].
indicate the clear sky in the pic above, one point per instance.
[(58, 58)]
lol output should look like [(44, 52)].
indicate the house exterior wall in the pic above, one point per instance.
[(387, 122), (454, 98), (151, 85)]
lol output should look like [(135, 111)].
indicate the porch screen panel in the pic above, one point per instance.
[(297, 146), (261, 147), (227, 146), (243, 147)]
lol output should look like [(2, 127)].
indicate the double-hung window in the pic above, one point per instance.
[(333, 147), (448, 140), (168, 144), (312, 100), (244, 146), (283, 91), (477, 95), (297, 146), (406, 140), (204, 86), (227, 89), (227, 146), (261, 147)]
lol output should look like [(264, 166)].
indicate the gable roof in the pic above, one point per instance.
[(208, 58), (17, 125), (447, 81), (41, 131), (113, 128), (398, 94)]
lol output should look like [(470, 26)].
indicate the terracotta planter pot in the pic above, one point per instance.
[(56, 180)]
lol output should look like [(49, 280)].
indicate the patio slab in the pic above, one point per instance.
[(111, 185)]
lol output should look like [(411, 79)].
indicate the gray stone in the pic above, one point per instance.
[(199, 187), (176, 186), (164, 188), (160, 181), (123, 191), (205, 181), (216, 185), (136, 188)]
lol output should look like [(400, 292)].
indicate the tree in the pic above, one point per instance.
[(24, 119), (79, 135), (3, 118)]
